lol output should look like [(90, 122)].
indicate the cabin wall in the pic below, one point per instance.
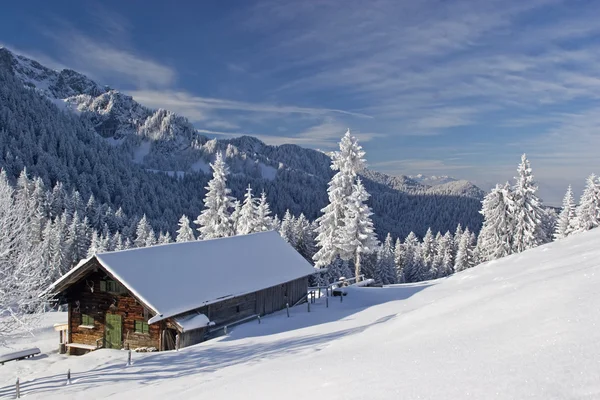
[(275, 298), (231, 310), (82, 300)]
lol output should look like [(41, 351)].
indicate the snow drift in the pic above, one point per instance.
[(525, 326)]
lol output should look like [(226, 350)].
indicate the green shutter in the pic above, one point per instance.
[(141, 327), (87, 320), (103, 286)]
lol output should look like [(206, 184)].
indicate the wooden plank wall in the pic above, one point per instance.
[(97, 304), (233, 309)]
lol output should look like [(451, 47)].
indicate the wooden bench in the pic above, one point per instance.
[(89, 347), (19, 355)]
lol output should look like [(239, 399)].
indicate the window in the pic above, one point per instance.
[(141, 327), (87, 320), (112, 287)]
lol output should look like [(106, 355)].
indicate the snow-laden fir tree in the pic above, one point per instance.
[(413, 267), (53, 249), (235, 215), (348, 161), (264, 221), (528, 217), (385, 272), (566, 218), (286, 230), (399, 260), (456, 239), (95, 245), (215, 220), (164, 238), (77, 239), (357, 236), (24, 275), (464, 256), (304, 237), (445, 250), (117, 242), (588, 211), (496, 235), (144, 234), (248, 217), (185, 232), (428, 253)]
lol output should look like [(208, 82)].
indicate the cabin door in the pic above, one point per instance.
[(168, 339), (113, 332)]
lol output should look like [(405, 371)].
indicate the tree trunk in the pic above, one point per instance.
[(357, 266)]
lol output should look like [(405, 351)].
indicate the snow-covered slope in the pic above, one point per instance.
[(522, 327)]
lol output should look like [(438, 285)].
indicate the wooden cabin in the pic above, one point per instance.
[(156, 296)]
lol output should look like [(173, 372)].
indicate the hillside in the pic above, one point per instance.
[(64, 127), (519, 327)]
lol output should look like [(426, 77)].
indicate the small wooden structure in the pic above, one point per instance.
[(62, 330), (153, 297)]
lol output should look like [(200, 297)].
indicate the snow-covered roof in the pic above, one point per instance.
[(190, 322), (178, 277)]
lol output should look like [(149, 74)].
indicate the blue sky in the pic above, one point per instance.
[(458, 88)]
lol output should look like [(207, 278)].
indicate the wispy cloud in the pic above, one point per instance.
[(187, 100), (104, 62)]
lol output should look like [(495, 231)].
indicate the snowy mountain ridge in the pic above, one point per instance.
[(124, 136), (174, 142)]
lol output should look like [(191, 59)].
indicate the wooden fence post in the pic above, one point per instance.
[(259, 319), (18, 389), (129, 357), (327, 302), (287, 307), (69, 376), (225, 329), (341, 296), (308, 302), (177, 342)]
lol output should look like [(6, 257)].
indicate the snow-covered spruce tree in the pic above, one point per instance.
[(464, 256), (144, 234), (305, 244), (566, 218), (588, 211), (385, 272), (53, 249), (264, 221), (358, 234), (414, 270), (185, 232), (528, 213), (445, 259), (215, 220), (496, 235), (428, 253), (95, 245), (117, 242), (348, 161), (235, 215), (77, 239), (456, 239), (286, 230), (399, 260), (164, 238), (442, 263), (248, 217), (22, 272)]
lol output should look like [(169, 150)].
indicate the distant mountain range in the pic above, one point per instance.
[(145, 143)]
